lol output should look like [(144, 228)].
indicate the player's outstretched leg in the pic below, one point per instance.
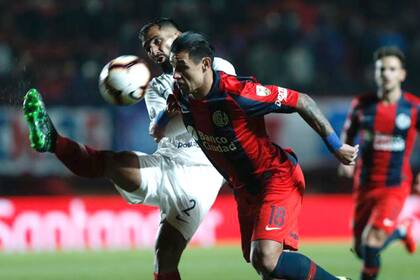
[(42, 133), (80, 159)]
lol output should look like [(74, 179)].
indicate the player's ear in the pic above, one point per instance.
[(206, 63), (403, 75)]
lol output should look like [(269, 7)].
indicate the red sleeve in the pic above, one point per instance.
[(257, 99), (270, 94)]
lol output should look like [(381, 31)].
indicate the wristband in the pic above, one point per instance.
[(333, 142), (162, 118)]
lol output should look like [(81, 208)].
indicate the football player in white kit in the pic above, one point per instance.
[(177, 177), (180, 179)]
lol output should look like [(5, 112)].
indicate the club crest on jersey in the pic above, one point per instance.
[(262, 90), (403, 121), (220, 118)]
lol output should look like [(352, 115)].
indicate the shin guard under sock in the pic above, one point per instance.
[(296, 266), (372, 263)]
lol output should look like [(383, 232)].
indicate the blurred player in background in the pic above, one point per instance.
[(385, 123), (225, 115), (177, 177)]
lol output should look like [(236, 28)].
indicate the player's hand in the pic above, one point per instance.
[(416, 185), (347, 154), (346, 171)]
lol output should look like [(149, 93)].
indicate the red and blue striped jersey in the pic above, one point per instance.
[(228, 124), (386, 133)]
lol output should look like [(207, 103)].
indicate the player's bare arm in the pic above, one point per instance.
[(310, 112)]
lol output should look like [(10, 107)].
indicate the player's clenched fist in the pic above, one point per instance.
[(347, 154)]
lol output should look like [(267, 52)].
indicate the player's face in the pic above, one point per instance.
[(389, 73), (158, 42), (188, 75)]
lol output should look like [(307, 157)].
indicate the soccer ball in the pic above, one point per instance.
[(123, 80)]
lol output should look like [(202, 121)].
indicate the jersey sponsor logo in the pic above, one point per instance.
[(262, 91), (388, 143), (281, 95), (189, 144), (212, 143), (220, 118), (403, 121)]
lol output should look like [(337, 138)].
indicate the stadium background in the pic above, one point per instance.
[(59, 47)]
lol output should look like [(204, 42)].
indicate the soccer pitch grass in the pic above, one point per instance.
[(197, 263)]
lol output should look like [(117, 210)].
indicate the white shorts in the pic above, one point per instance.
[(184, 193)]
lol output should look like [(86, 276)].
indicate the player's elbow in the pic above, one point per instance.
[(304, 102)]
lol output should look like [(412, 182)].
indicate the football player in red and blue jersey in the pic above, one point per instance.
[(385, 123), (225, 115)]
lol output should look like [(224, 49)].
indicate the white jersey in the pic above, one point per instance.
[(181, 148)]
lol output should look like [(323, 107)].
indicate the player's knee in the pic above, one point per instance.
[(123, 169), (264, 261), (375, 237)]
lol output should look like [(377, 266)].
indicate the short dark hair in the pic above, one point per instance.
[(159, 22), (196, 44), (389, 51)]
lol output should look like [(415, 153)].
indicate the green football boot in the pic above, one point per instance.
[(42, 133)]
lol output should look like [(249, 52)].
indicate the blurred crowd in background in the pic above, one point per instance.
[(320, 47)]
